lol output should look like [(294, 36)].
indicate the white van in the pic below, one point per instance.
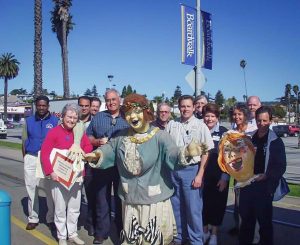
[(3, 129)]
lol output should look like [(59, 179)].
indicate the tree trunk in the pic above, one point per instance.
[(5, 99), (65, 61), (37, 62)]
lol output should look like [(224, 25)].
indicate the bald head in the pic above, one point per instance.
[(253, 104)]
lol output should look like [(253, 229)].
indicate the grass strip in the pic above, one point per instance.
[(12, 145)]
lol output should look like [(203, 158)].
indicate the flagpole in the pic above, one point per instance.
[(198, 63)]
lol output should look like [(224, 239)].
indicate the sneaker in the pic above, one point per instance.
[(213, 240), (206, 236), (62, 242), (76, 240)]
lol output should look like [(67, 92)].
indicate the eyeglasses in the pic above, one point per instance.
[(113, 121)]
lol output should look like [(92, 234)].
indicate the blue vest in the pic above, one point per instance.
[(37, 130)]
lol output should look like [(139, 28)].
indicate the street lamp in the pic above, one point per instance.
[(110, 78), (243, 64)]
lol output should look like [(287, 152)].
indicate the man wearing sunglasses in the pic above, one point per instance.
[(105, 125)]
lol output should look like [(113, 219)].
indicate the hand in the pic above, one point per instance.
[(260, 177), (54, 176), (197, 182), (92, 157), (99, 142), (222, 184)]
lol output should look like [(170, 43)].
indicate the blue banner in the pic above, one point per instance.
[(188, 35), (207, 47)]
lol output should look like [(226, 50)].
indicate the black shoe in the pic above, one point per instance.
[(31, 226), (98, 240), (91, 232)]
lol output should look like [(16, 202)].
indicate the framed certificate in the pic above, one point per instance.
[(63, 167)]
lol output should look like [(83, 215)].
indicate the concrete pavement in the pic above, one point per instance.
[(286, 212)]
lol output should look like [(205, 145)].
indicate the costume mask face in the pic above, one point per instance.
[(236, 156), (135, 118)]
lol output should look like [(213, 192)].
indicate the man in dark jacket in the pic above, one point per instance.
[(256, 199)]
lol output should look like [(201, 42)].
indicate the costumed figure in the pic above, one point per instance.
[(236, 157), (145, 156)]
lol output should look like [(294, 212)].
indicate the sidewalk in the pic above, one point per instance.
[(286, 216)]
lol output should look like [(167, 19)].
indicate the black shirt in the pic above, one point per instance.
[(261, 145)]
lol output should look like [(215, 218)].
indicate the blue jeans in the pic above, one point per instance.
[(187, 206)]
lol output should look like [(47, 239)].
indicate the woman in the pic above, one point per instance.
[(144, 156), (239, 117), (215, 190), (62, 138)]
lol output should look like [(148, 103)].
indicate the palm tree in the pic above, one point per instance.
[(296, 91), (61, 25), (287, 95), (243, 64), (9, 69), (37, 60)]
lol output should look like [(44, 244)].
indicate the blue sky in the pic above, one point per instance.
[(139, 42)]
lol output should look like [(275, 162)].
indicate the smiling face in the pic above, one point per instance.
[(135, 118), (239, 118), (70, 119), (112, 101), (236, 156), (186, 108), (210, 119)]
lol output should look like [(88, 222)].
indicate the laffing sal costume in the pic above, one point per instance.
[(144, 156)]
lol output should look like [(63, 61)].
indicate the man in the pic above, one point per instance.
[(35, 130), (105, 125), (199, 102), (95, 105), (253, 103), (85, 105), (85, 117), (256, 198), (187, 181), (163, 115)]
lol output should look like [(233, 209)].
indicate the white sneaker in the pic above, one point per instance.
[(206, 236), (62, 242), (76, 240), (213, 240)]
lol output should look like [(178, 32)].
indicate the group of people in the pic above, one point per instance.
[(164, 175)]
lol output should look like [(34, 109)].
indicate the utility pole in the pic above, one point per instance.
[(198, 65)]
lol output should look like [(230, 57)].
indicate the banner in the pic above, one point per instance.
[(207, 48), (188, 35)]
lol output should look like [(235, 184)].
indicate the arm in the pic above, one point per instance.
[(47, 147), (197, 182), (24, 138)]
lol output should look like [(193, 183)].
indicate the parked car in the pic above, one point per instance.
[(10, 125), (3, 129), (294, 130), (281, 130)]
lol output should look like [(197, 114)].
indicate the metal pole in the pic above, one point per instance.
[(245, 83), (5, 231), (198, 65)]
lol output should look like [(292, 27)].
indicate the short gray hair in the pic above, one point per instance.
[(71, 107), (111, 90), (199, 97), (162, 104)]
